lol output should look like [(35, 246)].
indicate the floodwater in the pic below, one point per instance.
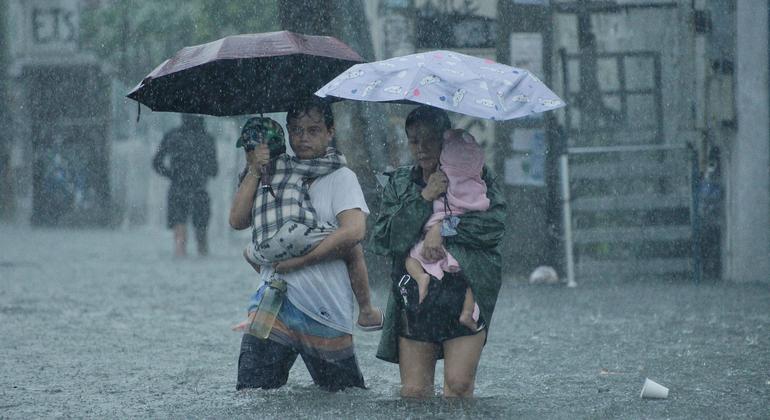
[(100, 323)]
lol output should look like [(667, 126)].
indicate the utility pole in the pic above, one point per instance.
[(748, 236)]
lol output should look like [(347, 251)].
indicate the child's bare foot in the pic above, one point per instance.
[(466, 318), (243, 326), (423, 280), (370, 318)]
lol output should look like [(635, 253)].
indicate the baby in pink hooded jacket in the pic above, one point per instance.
[(462, 160)]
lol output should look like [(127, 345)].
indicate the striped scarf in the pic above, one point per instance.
[(284, 196)]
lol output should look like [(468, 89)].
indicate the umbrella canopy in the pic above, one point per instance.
[(449, 80), (244, 74)]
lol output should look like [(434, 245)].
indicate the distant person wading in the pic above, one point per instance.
[(192, 160)]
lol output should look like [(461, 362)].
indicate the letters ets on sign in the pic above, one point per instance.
[(47, 26)]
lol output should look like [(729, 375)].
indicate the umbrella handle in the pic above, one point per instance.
[(265, 179)]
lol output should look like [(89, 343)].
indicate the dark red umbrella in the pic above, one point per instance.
[(244, 74)]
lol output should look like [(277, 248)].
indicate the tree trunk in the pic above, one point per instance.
[(346, 20)]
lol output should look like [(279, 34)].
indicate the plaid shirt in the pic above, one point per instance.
[(284, 196)]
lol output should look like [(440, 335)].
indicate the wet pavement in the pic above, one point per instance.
[(101, 323)]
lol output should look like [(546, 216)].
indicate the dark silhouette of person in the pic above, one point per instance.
[(192, 160)]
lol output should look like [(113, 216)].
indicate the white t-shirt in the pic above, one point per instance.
[(322, 291)]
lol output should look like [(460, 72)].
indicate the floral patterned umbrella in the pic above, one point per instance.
[(455, 82)]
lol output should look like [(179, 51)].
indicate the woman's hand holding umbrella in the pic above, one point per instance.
[(437, 185)]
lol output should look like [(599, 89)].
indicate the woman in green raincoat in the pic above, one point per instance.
[(416, 343)]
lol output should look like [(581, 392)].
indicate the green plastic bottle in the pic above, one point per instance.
[(268, 309)]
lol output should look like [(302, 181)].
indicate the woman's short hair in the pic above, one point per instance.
[(304, 106), (435, 118)]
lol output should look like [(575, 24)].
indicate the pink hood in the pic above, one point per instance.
[(462, 160)]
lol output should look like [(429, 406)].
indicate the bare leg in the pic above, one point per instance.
[(180, 240), (368, 314), (202, 240), (461, 359), (414, 268), (417, 365), (466, 315)]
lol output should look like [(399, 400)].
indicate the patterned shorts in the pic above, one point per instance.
[(328, 353)]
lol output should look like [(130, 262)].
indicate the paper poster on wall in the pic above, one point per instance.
[(524, 169), (527, 164), (527, 52), (527, 139)]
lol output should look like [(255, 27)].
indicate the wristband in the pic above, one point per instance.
[(256, 176)]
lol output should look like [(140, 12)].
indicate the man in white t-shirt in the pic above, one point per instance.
[(316, 319)]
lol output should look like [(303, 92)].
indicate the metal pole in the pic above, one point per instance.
[(7, 195), (625, 149), (695, 218), (567, 214)]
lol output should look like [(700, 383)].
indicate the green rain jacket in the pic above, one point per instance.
[(399, 226)]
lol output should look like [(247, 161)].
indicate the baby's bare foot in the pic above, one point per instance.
[(466, 318)]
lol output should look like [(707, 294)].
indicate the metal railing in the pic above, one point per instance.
[(624, 222)]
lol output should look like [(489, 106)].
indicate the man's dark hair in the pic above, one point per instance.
[(435, 118), (304, 106)]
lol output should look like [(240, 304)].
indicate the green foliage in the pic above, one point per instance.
[(137, 35)]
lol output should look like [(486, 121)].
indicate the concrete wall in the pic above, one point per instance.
[(748, 189)]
